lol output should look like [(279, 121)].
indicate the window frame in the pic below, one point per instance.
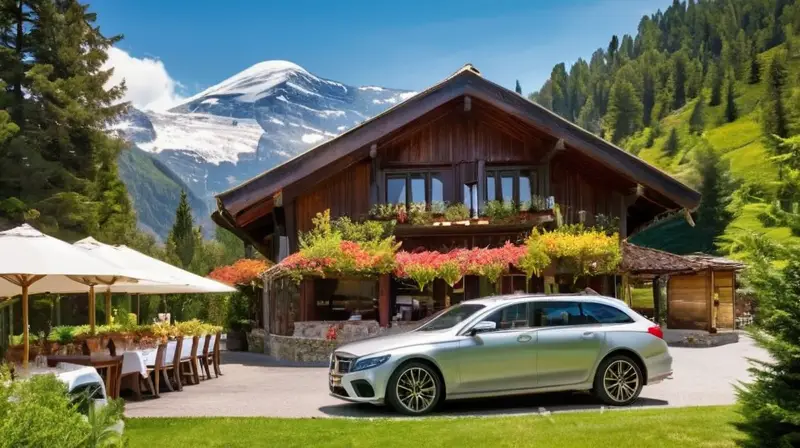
[(537, 188), (408, 175)]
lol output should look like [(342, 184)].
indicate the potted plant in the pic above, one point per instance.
[(456, 212)]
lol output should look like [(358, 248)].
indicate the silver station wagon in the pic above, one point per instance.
[(507, 345)]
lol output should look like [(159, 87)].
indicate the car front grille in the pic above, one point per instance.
[(341, 364)]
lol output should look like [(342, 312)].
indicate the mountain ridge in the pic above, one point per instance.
[(244, 125)]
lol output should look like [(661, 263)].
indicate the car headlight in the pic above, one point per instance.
[(368, 363)]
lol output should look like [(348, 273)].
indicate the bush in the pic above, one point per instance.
[(456, 212), (38, 412), (62, 335), (499, 211)]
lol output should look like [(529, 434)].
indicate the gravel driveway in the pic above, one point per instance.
[(256, 385)]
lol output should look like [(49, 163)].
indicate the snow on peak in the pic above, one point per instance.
[(250, 83)]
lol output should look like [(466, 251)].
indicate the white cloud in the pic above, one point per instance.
[(149, 86)]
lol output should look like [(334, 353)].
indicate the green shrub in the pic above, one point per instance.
[(38, 412), (62, 334), (456, 212), (418, 216), (499, 211)]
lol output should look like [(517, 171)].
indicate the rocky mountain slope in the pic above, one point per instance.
[(237, 129)]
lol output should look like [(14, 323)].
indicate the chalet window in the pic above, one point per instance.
[(414, 188), (517, 185)]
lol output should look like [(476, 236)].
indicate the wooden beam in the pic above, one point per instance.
[(657, 300), (257, 211), (467, 104), (290, 222), (558, 147)]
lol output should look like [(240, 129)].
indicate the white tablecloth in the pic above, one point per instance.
[(72, 375), (136, 361)]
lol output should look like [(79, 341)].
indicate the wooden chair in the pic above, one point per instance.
[(203, 357), (170, 370), (154, 370), (216, 355), (188, 365)]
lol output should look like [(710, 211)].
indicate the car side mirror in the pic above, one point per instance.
[(483, 327)]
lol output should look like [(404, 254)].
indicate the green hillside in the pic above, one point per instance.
[(741, 144), (709, 92), (156, 190)]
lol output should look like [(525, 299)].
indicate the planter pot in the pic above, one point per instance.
[(14, 354), (94, 344), (237, 341)]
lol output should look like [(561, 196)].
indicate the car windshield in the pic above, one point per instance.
[(451, 317)]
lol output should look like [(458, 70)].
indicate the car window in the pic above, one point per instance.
[(555, 314), (597, 313), (510, 317), (451, 317)]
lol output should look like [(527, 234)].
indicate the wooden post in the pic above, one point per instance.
[(656, 300), (384, 301), (25, 331), (108, 306), (58, 309), (91, 309), (308, 302)]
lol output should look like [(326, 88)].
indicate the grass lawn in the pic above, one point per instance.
[(684, 427)]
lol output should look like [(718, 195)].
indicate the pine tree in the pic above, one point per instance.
[(717, 81), (673, 144), (715, 190), (755, 67), (697, 120), (182, 236), (518, 88), (770, 403), (731, 112), (560, 91), (624, 110), (774, 118), (62, 162), (680, 64)]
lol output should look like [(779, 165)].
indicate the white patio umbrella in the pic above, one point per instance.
[(160, 277), (34, 263)]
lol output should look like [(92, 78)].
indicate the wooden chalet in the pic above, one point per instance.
[(465, 139)]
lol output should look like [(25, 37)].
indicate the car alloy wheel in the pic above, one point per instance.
[(416, 389), (621, 381)]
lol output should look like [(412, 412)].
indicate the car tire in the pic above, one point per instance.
[(618, 381), (414, 389)]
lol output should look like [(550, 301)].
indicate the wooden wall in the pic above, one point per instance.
[(449, 136), (687, 302), (724, 288), (574, 191), (690, 300), (345, 194)]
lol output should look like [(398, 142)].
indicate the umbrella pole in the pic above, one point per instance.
[(25, 339), (108, 306), (91, 309)]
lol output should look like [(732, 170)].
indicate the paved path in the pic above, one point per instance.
[(255, 385)]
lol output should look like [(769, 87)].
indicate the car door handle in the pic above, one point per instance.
[(524, 338), (588, 335)]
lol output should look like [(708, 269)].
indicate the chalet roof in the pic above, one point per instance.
[(466, 81), (640, 260)]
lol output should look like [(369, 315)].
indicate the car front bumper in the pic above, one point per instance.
[(366, 386)]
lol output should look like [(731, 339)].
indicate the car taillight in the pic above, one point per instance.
[(656, 331)]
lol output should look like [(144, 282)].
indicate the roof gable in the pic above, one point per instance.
[(465, 82)]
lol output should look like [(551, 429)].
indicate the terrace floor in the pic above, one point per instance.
[(257, 385)]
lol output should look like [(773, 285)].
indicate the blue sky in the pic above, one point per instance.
[(410, 44)]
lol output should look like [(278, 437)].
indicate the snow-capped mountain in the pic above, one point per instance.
[(251, 122)]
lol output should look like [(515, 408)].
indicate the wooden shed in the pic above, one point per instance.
[(701, 289)]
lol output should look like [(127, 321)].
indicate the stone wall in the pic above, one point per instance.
[(255, 341), (291, 348), (309, 343)]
